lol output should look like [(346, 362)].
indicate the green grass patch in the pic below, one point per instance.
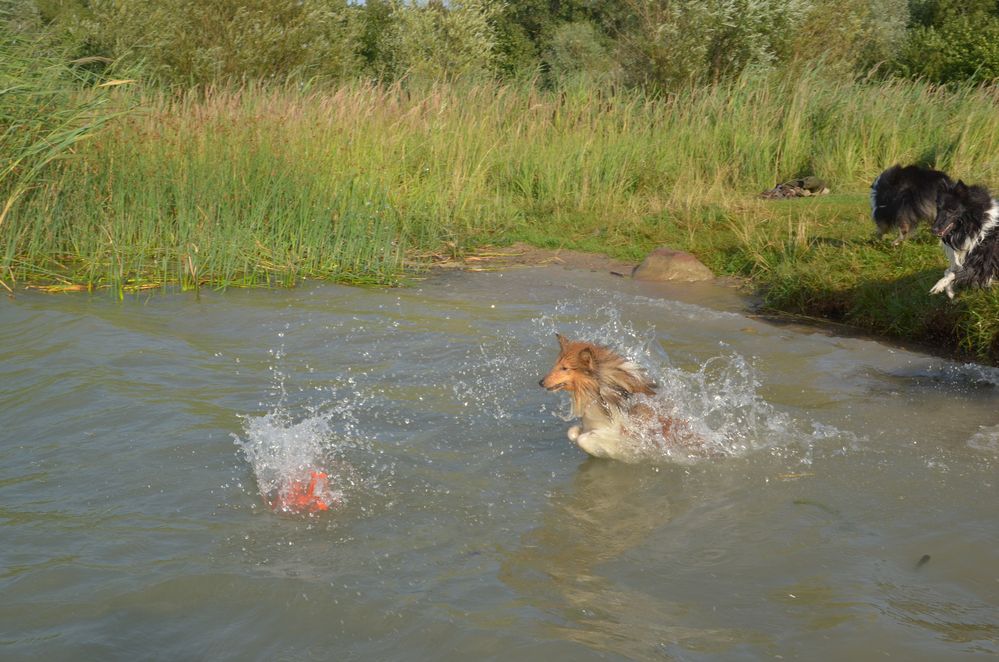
[(265, 186)]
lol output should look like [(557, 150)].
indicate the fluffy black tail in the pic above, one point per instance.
[(902, 197)]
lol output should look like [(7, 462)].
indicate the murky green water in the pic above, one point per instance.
[(135, 439)]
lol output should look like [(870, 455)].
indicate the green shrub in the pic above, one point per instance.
[(961, 46), (846, 37), (438, 41), (578, 52), (207, 41), (666, 43)]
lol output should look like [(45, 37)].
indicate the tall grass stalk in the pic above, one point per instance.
[(45, 111), (263, 185)]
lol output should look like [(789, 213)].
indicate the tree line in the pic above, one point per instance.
[(659, 44)]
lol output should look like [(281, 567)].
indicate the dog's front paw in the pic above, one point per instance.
[(574, 432), (944, 285)]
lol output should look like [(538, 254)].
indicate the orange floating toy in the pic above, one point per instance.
[(301, 497)]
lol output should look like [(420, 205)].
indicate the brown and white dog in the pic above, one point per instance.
[(603, 385)]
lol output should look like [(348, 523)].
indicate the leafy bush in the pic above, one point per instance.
[(952, 41), (437, 41), (578, 52), (205, 41), (664, 44), (846, 37), (670, 42)]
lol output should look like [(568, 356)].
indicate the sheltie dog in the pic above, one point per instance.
[(966, 222), (902, 197), (603, 386)]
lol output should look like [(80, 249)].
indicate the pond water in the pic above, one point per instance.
[(851, 515)]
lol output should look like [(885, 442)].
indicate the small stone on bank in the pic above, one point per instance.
[(666, 264)]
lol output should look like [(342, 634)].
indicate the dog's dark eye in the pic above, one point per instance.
[(565, 368)]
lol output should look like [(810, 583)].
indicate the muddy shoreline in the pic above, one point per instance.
[(724, 292), (492, 258)]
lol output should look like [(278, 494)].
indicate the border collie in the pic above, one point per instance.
[(903, 196), (967, 220)]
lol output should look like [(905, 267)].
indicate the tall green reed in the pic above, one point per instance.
[(46, 110), (262, 185)]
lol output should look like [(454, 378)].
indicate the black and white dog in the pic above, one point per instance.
[(967, 223), (901, 197)]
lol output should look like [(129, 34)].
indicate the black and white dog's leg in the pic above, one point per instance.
[(946, 284)]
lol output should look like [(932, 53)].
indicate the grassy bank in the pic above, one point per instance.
[(262, 186), (818, 258)]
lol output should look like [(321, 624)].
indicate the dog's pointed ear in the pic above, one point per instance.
[(960, 187), (562, 341), (587, 359)]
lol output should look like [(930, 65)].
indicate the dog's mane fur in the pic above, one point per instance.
[(609, 378), (603, 386), (975, 203)]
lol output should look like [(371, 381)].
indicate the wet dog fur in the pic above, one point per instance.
[(967, 223), (901, 197), (603, 386)]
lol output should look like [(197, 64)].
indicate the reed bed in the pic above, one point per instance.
[(266, 185)]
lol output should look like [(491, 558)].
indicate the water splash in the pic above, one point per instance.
[(986, 440), (719, 405), (296, 464), (970, 374), (936, 373)]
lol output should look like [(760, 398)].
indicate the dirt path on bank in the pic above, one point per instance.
[(490, 258)]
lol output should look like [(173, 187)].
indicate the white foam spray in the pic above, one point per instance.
[(719, 403), (286, 456), (298, 462)]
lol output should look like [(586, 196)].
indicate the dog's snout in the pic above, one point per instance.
[(541, 382)]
